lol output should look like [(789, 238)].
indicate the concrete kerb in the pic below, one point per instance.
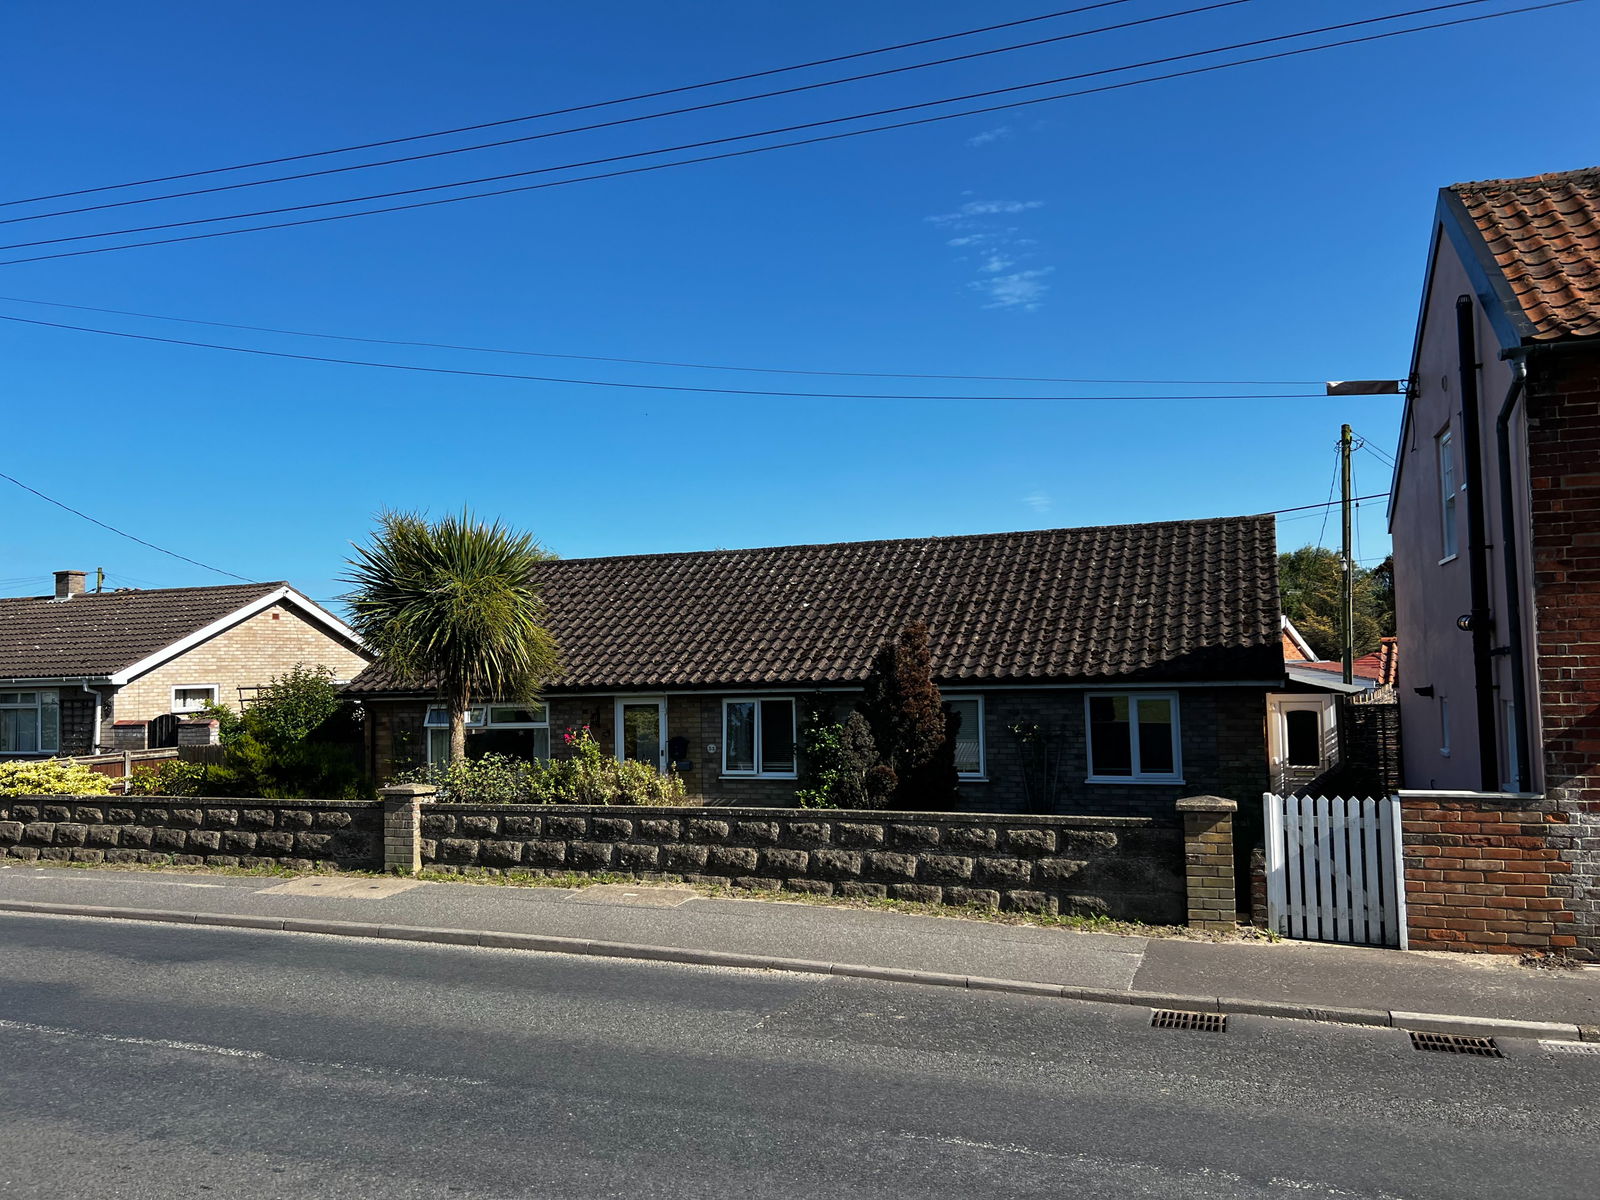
[(1396, 1019)]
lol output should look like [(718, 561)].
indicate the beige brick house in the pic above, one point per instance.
[(87, 671)]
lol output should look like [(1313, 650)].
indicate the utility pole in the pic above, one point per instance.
[(1348, 632)]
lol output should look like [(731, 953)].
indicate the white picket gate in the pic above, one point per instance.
[(1333, 869)]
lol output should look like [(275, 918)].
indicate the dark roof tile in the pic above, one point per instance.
[(1177, 601)]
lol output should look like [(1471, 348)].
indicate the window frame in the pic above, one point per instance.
[(1444, 727), (981, 775), (214, 688), (1449, 510), (479, 716), (44, 746), (755, 732), (1175, 776)]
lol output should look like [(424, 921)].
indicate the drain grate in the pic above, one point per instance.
[(1454, 1043), (1172, 1018), (1569, 1047)]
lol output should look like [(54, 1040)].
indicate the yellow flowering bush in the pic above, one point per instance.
[(51, 777)]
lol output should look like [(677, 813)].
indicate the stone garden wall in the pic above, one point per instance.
[(300, 834), (1124, 867)]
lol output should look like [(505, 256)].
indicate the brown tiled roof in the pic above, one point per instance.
[(1382, 666), (1544, 233), (1182, 600), (100, 633)]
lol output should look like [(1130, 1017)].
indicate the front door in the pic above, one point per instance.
[(642, 731)]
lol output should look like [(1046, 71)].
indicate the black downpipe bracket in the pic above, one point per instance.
[(1518, 774), (1477, 547)]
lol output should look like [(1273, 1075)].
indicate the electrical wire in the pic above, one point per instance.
[(122, 532), (1328, 508), (653, 116), (1330, 504), (649, 362), (748, 151), (561, 112), (647, 387)]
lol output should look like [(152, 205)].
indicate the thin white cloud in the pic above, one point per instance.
[(1039, 501), (1020, 289), (1001, 258), (1001, 133)]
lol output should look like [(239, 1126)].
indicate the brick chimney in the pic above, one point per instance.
[(68, 584)]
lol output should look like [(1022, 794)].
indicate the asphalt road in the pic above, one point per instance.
[(157, 1061)]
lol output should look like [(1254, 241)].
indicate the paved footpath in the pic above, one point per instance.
[(1290, 973)]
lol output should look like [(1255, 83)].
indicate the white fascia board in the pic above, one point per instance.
[(286, 594), (53, 680), (1297, 638)]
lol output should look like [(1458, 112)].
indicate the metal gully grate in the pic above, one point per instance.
[(1172, 1018), (1569, 1047), (1453, 1043)]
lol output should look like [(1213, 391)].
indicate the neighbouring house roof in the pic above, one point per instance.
[(1381, 667), (1171, 602), (104, 635), (1295, 646), (1542, 237)]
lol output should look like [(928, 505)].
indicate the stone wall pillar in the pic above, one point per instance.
[(1208, 861), (402, 825)]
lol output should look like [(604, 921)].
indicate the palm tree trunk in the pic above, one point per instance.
[(458, 725)]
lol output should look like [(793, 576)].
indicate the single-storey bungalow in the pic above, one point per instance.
[(1103, 670), (85, 671)]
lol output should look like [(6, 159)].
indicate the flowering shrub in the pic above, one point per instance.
[(586, 776), (51, 777)]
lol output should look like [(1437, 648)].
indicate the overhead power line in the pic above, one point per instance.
[(630, 386), (1327, 504), (562, 112), (122, 532), (652, 116), (1550, 4), (650, 362)]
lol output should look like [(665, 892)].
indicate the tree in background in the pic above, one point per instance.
[(1310, 582), (454, 603), (914, 735)]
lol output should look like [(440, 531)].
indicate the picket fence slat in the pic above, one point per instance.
[(1333, 870)]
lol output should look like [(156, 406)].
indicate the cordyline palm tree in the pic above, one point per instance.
[(455, 604)]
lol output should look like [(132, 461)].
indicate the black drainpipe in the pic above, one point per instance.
[(1508, 548), (1477, 571)]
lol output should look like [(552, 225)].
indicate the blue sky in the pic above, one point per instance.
[(1264, 223)]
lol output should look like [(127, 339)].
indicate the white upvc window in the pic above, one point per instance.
[(971, 762), (1444, 727), (1449, 490), (30, 722), (759, 737), (193, 697), (1133, 737), (518, 730)]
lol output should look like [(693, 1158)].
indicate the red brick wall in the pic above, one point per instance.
[(1564, 472), (1488, 873)]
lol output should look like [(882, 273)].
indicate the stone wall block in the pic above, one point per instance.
[(458, 851), (294, 818), (258, 818), (846, 833), (583, 856), (101, 836), (221, 818), (920, 893), (478, 825), (681, 858), (1087, 841), (517, 825), (699, 829), (1004, 872), (1022, 900), (188, 818), (70, 834), (1057, 872), (855, 890), (785, 862), (914, 836), (198, 841), (974, 897), (970, 837), (659, 829), (136, 837), (731, 860), (275, 842), (88, 814), (437, 825), (757, 833), (634, 857), (171, 841), (57, 812), (543, 853), (809, 887), (612, 829), (332, 819), (1031, 841), (500, 854), (807, 833), (890, 866), (566, 827), (238, 841), (836, 864), (10, 831), (313, 845), (944, 868)]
